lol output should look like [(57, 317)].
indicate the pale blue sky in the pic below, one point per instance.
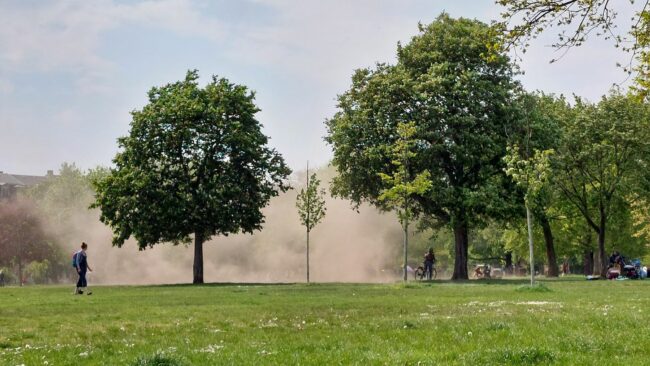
[(70, 71)]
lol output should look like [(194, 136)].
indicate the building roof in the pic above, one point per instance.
[(30, 180), (10, 179), (21, 180)]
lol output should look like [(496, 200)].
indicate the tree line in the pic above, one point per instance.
[(488, 146), (446, 137)]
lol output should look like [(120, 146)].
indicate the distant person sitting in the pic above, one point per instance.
[(565, 267), (616, 259), (429, 259), (81, 264)]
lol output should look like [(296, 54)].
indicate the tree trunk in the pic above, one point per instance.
[(406, 248), (601, 268), (551, 258), (307, 256), (20, 272), (588, 265), (461, 244), (601, 250), (508, 269), (588, 261), (529, 219), (198, 257)]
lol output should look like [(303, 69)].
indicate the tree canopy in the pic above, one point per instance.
[(456, 85), (195, 163), (602, 158)]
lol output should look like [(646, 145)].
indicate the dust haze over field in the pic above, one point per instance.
[(347, 246)]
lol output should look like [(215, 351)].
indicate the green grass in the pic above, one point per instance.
[(575, 322)]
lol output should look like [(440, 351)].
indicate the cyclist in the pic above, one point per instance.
[(429, 259)]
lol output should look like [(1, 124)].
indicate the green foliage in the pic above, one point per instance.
[(60, 196), (459, 94), (489, 244), (311, 203), (400, 186), (23, 238), (601, 162), (10, 277), (603, 150), (38, 271), (531, 174), (195, 161)]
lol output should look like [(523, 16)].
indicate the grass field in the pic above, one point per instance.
[(576, 322)]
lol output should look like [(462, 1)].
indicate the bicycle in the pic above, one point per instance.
[(421, 274)]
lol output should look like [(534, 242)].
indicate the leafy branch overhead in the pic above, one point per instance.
[(576, 22)]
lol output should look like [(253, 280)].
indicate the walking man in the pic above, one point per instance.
[(81, 263)]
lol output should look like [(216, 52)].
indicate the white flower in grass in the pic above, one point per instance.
[(83, 354)]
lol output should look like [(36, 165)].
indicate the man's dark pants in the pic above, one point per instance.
[(428, 269)]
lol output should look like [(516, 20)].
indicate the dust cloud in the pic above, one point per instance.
[(347, 246)]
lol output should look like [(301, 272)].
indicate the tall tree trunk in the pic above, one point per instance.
[(588, 259), (529, 220), (308, 218), (551, 258), (461, 244), (588, 264), (602, 265), (198, 257), (508, 257), (406, 248), (20, 272)]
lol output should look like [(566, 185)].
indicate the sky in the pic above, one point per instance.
[(71, 71)]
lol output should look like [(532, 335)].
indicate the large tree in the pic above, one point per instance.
[(455, 83), (195, 164), (603, 153)]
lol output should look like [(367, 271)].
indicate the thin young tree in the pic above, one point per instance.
[(401, 185), (311, 207), (532, 174)]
